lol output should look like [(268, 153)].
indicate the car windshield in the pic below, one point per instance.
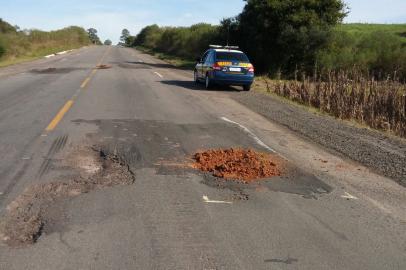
[(231, 56)]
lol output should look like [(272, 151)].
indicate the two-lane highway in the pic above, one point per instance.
[(154, 117)]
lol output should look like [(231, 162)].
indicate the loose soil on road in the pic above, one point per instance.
[(238, 164)]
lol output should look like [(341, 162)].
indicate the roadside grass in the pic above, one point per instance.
[(34, 55), (176, 61), (380, 105), (22, 46)]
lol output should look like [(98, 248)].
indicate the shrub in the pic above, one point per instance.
[(2, 50)]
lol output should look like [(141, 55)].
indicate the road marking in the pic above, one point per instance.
[(159, 75), (59, 116), (349, 196), (70, 102), (85, 82), (60, 53), (49, 56), (206, 200), (257, 140), (94, 70)]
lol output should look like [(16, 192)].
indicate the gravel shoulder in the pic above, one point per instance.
[(382, 153)]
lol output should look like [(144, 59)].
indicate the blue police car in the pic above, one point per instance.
[(224, 65)]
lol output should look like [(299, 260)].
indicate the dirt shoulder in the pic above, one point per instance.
[(382, 153)]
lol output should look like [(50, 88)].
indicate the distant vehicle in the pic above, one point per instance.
[(224, 65)]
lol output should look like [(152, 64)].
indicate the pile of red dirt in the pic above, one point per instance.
[(238, 164)]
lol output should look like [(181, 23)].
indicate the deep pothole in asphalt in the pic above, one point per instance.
[(25, 217)]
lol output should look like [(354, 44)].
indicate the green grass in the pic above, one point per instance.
[(17, 46), (176, 61), (365, 28)]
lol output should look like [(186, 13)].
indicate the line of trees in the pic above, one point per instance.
[(287, 37)]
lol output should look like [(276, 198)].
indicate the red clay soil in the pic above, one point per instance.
[(238, 164)]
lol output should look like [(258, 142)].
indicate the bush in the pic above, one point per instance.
[(380, 54), (2, 50), (187, 42), (32, 43)]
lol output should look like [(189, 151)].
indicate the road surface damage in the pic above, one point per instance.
[(103, 66), (25, 218), (239, 164)]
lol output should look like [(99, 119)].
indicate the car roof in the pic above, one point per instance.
[(226, 50)]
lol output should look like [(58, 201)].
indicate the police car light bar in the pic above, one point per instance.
[(224, 47)]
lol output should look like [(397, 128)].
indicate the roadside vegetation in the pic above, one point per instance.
[(306, 54), (18, 45)]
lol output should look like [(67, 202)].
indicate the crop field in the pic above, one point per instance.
[(378, 104)]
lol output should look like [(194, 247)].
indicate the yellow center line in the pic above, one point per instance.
[(70, 102), (59, 116), (88, 78), (85, 82)]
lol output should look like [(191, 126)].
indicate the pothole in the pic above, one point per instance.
[(53, 70), (103, 66), (239, 164), (25, 220)]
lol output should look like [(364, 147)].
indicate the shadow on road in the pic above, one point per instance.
[(191, 85)]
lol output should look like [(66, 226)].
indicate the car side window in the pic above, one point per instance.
[(204, 57), (210, 58)]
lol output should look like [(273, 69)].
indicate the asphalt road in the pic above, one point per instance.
[(327, 213)]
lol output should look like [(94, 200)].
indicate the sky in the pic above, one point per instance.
[(110, 17)]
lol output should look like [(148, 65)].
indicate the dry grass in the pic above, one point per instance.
[(377, 104)]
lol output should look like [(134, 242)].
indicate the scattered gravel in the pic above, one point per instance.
[(382, 153)]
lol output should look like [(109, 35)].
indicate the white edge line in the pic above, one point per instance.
[(257, 140), (206, 200), (159, 75), (349, 196), (49, 56)]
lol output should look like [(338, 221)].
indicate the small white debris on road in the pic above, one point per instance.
[(207, 200), (348, 196), (159, 75)]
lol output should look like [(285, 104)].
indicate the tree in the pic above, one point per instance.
[(129, 41), (283, 35), (125, 34), (5, 27), (94, 38), (108, 42)]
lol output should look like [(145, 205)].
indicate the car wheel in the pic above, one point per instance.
[(196, 78), (247, 87), (208, 82)]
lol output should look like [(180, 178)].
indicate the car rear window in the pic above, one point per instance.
[(231, 56)]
